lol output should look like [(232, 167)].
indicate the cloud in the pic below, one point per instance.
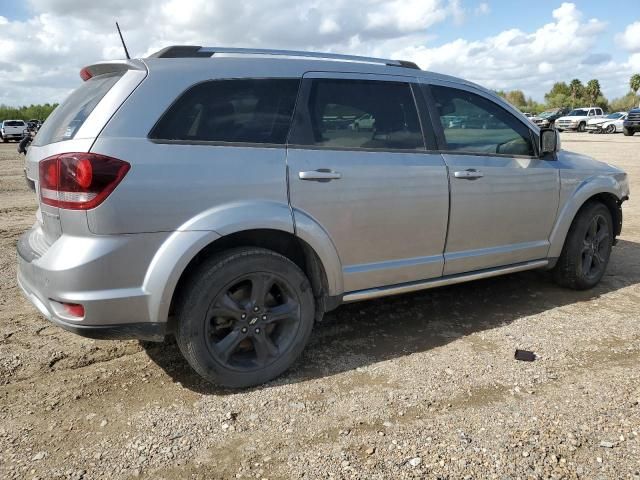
[(630, 38), (596, 58), (43, 54)]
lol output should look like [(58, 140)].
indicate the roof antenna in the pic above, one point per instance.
[(126, 52)]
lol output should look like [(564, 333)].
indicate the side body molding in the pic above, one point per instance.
[(183, 245), (576, 191)]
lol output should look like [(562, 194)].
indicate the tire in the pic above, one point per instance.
[(584, 246), (610, 129), (5, 139), (233, 328), (628, 132), (560, 129), (581, 127)]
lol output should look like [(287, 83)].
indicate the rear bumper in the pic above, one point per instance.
[(99, 273)]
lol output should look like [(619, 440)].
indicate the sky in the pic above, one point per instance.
[(501, 44)]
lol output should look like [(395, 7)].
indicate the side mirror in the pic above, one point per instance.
[(549, 141)]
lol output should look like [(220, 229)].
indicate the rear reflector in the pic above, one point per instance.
[(73, 309), (79, 181)]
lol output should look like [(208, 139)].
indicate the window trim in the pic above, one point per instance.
[(303, 100), (425, 87), (220, 143)]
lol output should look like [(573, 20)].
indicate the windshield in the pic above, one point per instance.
[(577, 113), (615, 115), (546, 114), (66, 120)]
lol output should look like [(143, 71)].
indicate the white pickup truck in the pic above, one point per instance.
[(577, 118), (12, 130)]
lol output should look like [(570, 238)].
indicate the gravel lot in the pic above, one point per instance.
[(418, 386)]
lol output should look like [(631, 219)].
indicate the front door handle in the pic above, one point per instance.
[(320, 175), (470, 174)]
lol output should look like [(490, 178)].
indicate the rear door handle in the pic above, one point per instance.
[(470, 174), (320, 175)]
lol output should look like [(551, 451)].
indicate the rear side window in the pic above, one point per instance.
[(474, 124), (66, 120), (239, 111), (368, 114)]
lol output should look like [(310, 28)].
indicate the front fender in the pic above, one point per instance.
[(614, 184)]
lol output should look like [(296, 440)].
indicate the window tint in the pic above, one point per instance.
[(68, 117), (472, 123), (14, 123), (247, 111), (358, 114)]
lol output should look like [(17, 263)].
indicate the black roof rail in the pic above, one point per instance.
[(193, 51)]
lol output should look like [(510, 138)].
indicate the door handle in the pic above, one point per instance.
[(470, 174), (320, 175)]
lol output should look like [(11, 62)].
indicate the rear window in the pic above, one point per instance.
[(14, 123), (237, 111), (66, 120)]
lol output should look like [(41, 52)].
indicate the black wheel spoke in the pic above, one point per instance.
[(228, 345), (587, 261), (261, 284), (265, 349), (593, 228), (286, 311), (227, 307), (602, 235)]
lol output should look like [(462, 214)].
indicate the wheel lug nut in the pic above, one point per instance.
[(257, 330), (243, 316), (244, 329), (256, 308), (264, 317)]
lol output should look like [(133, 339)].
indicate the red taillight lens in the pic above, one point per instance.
[(85, 74), (79, 181)]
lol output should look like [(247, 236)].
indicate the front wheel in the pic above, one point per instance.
[(587, 248), (582, 126), (628, 132), (610, 129), (245, 317)]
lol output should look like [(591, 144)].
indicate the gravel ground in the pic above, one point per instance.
[(418, 386)]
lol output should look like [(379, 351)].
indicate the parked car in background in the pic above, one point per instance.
[(363, 122), (612, 123), (547, 118), (632, 124), (33, 125), (577, 118), (12, 130), (206, 197)]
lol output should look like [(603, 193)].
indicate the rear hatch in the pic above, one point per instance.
[(73, 127)]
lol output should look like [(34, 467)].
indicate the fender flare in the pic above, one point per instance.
[(175, 254), (587, 189)]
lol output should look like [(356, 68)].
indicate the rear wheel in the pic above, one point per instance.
[(587, 248), (245, 316)]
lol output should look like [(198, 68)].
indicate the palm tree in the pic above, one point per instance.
[(593, 91), (634, 83), (575, 89)]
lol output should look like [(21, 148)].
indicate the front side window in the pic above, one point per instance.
[(474, 124), (365, 114), (240, 111)]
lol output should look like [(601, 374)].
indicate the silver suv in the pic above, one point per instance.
[(228, 200)]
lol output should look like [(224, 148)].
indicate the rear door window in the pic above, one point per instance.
[(235, 111), (367, 114), (66, 120)]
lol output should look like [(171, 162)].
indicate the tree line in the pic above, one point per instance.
[(575, 94), (31, 112)]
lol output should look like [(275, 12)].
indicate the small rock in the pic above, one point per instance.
[(414, 462), (103, 423), (387, 424), (371, 450), (38, 456), (605, 444), (525, 454)]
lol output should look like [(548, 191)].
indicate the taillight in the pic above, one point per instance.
[(85, 74), (79, 181)]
